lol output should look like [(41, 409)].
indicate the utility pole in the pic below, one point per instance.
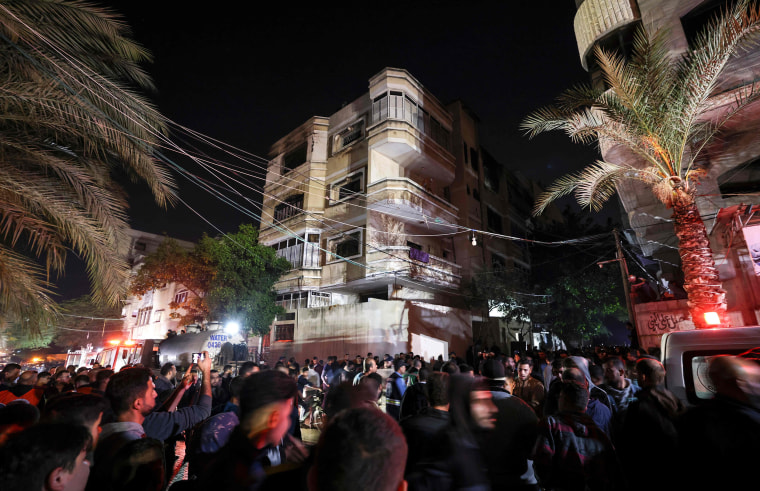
[(626, 286), (620, 258)]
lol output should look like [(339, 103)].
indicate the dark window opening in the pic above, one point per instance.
[(698, 19), (349, 245), (474, 159), (619, 42), (291, 207), (475, 195), (491, 172), (465, 152), (413, 245), (294, 158), (284, 333), (380, 295), (494, 221), (742, 179), (287, 316), (350, 187)]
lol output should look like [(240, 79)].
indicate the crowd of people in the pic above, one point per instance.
[(536, 420)]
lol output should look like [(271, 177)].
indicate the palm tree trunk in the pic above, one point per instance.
[(701, 280)]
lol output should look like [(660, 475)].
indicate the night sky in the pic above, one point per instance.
[(249, 76)]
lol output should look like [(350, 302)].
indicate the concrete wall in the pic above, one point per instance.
[(654, 319), (377, 326)]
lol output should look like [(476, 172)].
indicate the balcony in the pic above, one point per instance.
[(402, 261), (597, 18), (402, 130), (408, 201)]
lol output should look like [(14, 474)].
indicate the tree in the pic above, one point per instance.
[(69, 119), (657, 108), (173, 264), (579, 303), (231, 277), (242, 288)]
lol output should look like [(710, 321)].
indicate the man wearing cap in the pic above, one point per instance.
[(394, 389), (510, 443)]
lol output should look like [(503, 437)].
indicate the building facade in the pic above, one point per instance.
[(149, 317), (374, 207), (728, 190)]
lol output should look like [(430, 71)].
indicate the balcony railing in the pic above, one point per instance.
[(417, 265)]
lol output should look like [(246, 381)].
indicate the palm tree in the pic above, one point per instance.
[(70, 116), (657, 108)]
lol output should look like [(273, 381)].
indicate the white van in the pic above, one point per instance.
[(686, 355)]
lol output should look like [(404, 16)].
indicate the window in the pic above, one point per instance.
[(698, 19), (301, 300), (397, 105), (319, 299), (447, 193), (475, 194), (348, 188), (494, 221), (294, 158), (292, 301), (742, 179), (498, 265), (289, 208), (287, 316), (283, 333), (466, 153), (348, 136), (140, 246), (346, 246), (301, 252), (491, 172), (474, 159), (158, 315), (143, 316), (180, 297)]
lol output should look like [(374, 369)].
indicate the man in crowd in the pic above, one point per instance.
[(50, 457), (394, 390), (507, 449), (24, 389), (165, 381), (266, 402), (9, 375), (528, 388), (369, 367), (374, 460), (571, 452), (650, 423), (74, 408), (724, 433), (622, 390)]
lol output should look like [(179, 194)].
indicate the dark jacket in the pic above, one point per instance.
[(724, 435)]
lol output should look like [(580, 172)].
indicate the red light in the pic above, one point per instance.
[(129, 343), (114, 342), (712, 318)]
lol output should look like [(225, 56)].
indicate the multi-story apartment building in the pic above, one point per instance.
[(728, 190), (149, 316), (375, 207)]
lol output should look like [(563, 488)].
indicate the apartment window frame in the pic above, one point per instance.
[(338, 192), (494, 221), (289, 207), (284, 333), (349, 136), (144, 315), (334, 245), (181, 297), (295, 158)]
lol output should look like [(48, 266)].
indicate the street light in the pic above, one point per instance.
[(232, 327)]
